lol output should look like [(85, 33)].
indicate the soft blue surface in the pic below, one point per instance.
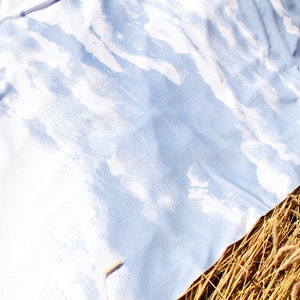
[(152, 132)]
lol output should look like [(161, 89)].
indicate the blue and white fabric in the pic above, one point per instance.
[(151, 132)]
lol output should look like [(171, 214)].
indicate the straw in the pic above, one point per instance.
[(107, 273), (264, 264)]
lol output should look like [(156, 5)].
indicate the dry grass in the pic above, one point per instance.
[(265, 264)]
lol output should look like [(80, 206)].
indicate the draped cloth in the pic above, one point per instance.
[(151, 133)]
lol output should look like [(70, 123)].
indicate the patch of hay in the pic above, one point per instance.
[(264, 264)]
